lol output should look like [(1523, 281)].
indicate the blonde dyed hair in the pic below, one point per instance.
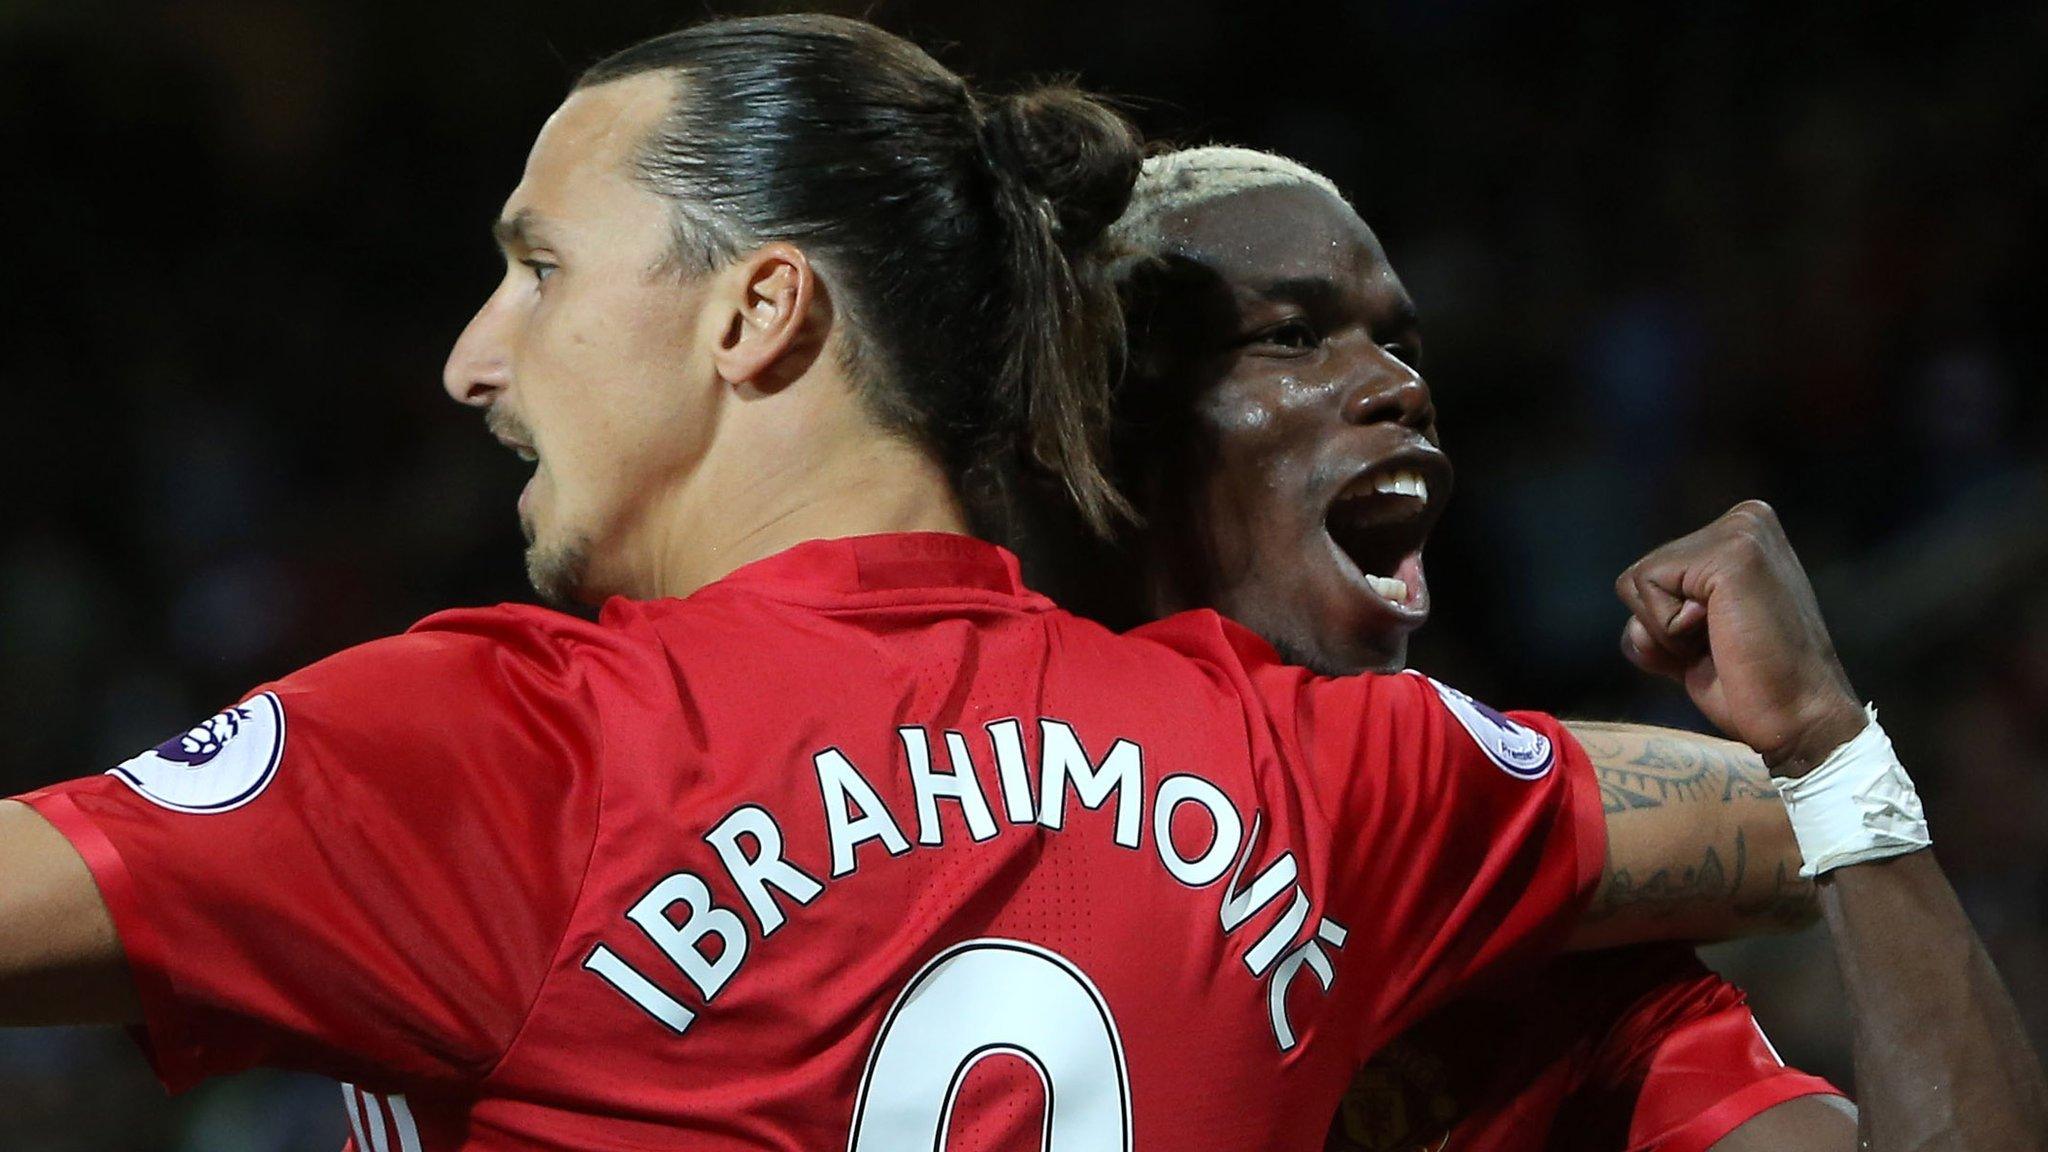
[(1174, 183)]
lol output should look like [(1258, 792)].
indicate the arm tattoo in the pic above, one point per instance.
[(1642, 769), (1782, 898), (1639, 772)]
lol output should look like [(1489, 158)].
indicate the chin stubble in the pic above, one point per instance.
[(1316, 656), (556, 571)]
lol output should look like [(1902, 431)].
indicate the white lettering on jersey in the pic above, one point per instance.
[(639, 989), (841, 785), (754, 875), (1062, 759), (681, 943), (1311, 956), (1280, 935), (217, 766), (1209, 867), (959, 784), (855, 814), (1239, 905), (1008, 737)]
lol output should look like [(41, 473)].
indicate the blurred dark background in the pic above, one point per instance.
[(1668, 256)]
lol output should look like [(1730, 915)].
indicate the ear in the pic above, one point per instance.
[(770, 309)]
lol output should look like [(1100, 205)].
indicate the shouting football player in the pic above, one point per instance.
[(1282, 446), (827, 833)]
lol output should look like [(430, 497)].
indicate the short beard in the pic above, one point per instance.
[(1317, 658), (557, 571)]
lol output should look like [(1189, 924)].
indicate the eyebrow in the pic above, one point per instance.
[(1307, 291), (521, 230), (1316, 292)]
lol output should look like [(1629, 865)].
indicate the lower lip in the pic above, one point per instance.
[(1410, 573), (1412, 611)]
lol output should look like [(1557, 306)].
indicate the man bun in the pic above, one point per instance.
[(962, 236), (1063, 166), (1076, 152)]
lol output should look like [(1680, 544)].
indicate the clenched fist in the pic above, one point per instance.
[(1728, 613)]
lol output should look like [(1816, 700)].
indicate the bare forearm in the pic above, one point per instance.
[(1941, 1063), (60, 962), (1941, 1059), (1699, 847)]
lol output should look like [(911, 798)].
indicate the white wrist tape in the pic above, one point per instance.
[(1859, 805)]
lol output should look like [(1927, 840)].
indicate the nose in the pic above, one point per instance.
[(478, 367), (1392, 391)]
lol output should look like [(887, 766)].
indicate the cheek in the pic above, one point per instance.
[(1246, 525), (1247, 419), (1262, 439), (1261, 578), (610, 363), (1263, 481), (648, 417), (571, 334)]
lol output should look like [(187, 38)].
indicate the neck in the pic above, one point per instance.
[(881, 484)]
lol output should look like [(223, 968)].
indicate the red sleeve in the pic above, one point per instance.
[(1465, 842), (364, 867), (1691, 1061), (1638, 1049)]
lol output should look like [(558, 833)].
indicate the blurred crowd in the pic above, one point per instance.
[(1667, 257)]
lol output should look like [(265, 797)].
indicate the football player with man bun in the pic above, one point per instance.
[(1282, 448), (827, 832)]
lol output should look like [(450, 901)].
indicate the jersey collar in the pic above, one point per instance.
[(891, 562)]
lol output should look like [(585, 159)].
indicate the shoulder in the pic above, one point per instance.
[(484, 678), (1226, 650), (1234, 652), (1203, 634), (463, 643), (530, 631), (504, 695)]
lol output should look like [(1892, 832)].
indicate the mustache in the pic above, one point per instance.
[(503, 424)]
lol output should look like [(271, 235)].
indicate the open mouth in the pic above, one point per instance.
[(1379, 524), (510, 431)]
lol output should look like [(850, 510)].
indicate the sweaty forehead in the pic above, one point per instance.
[(1278, 234), (585, 151)]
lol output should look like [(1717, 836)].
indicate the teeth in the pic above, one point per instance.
[(1389, 587), (1402, 483)]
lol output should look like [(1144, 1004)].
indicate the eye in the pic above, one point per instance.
[(1295, 335), (541, 269)]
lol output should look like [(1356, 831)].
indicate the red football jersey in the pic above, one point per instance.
[(1632, 1050), (859, 847)]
